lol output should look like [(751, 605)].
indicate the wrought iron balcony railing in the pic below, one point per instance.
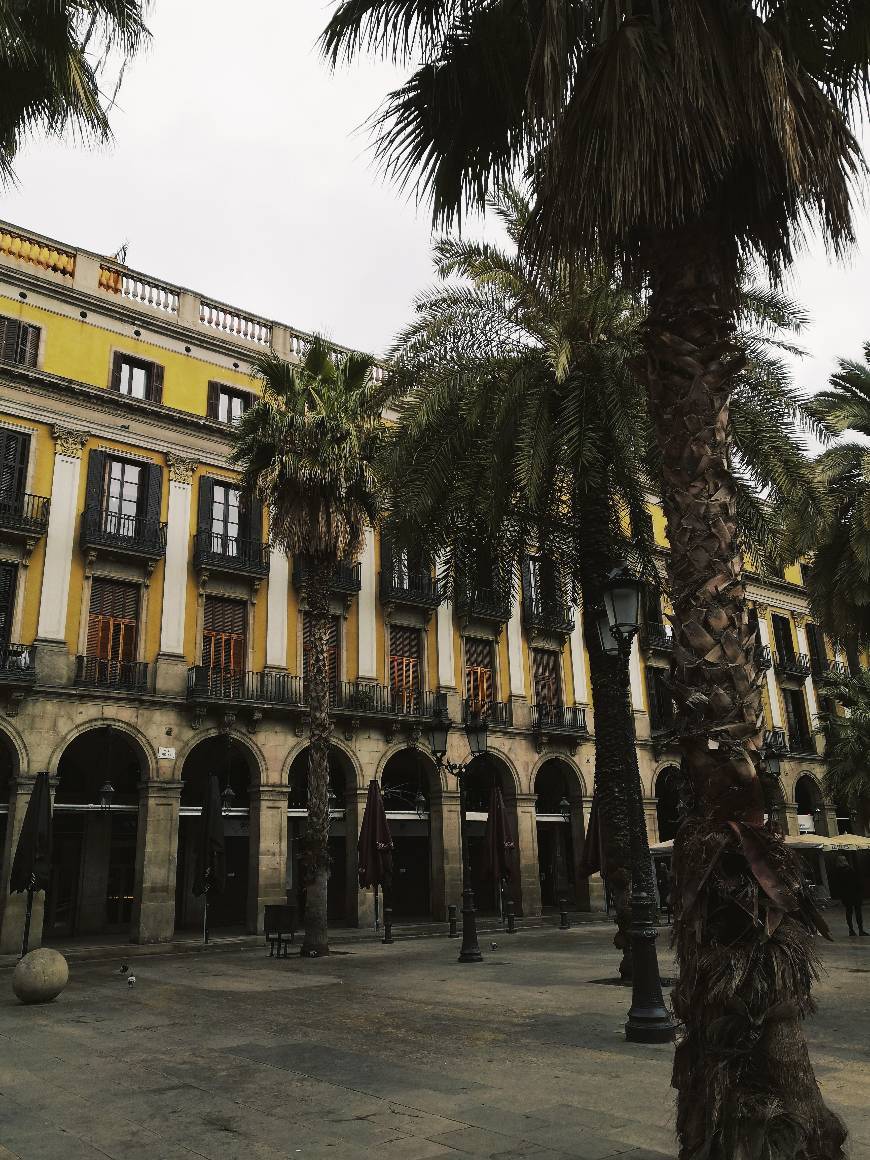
[(26, 514), (129, 676), (493, 604), (230, 554), (418, 588), (129, 535), (547, 614), (775, 740), (498, 714), (559, 718), (346, 579), (221, 685), (763, 657), (365, 700), (17, 664), (797, 667), (658, 637)]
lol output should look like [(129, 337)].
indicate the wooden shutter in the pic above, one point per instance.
[(153, 494), (8, 339), (252, 519), (19, 342), (333, 644), (478, 670), (155, 392), (405, 663), (96, 480), (224, 630), (113, 620), (213, 400), (14, 454), (115, 383), (816, 643), (206, 506), (782, 636), (8, 585), (546, 676)]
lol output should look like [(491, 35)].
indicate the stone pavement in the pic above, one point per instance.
[(398, 1053)]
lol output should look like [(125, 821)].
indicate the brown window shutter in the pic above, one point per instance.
[(545, 673), (28, 345), (156, 392), (478, 670), (117, 359), (333, 644), (212, 404), (113, 620), (223, 634)]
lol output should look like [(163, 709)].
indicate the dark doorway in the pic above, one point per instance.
[(558, 807), (668, 803), (479, 778), (406, 789), (341, 780)]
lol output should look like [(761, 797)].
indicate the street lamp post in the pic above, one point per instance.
[(648, 1018), (475, 731)]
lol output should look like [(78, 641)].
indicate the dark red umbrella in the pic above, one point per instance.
[(592, 861), (375, 846), (31, 866), (498, 837)]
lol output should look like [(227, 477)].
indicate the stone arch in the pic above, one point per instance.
[(438, 775), (408, 764), (303, 744), (569, 762), (411, 784), (560, 832), (667, 795), (343, 776), (149, 772), (253, 751), (236, 759), (810, 801), (18, 765)]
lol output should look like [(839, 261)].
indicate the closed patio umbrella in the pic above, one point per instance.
[(375, 847), (498, 840), (211, 851), (592, 861), (31, 866)]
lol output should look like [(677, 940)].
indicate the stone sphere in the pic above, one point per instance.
[(40, 976)]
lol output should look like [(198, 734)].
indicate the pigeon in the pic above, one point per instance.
[(123, 970), (131, 980), (493, 946)]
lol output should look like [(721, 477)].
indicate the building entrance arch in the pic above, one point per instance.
[(95, 832), (412, 799), (480, 775), (812, 818), (559, 819), (342, 888), (668, 802), (237, 770)]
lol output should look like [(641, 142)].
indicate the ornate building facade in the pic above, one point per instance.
[(149, 635)]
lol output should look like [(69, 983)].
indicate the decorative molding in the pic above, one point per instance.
[(800, 619), (69, 441), (180, 469), (762, 609)]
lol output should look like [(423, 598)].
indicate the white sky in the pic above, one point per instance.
[(237, 170)]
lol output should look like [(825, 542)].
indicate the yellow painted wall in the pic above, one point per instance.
[(42, 458)]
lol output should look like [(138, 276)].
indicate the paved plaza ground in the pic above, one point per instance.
[(397, 1053)]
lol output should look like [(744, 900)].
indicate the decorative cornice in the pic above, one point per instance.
[(180, 469), (762, 609), (69, 441), (800, 619)]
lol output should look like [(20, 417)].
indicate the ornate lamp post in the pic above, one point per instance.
[(648, 1019), (475, 731)]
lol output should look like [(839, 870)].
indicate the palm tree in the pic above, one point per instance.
[(307, 448), (672, 140), (52, 54), (847, 741)]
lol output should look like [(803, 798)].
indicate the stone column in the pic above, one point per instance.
[(367, 611), (438, 899), (518, 693), (156, 861), (790, 813), (809, 685), (171, 662), (527, 851), (267, 847), (578, 660), (276, 610), (52, 655), (447, 658), (94, 879), (13, 906), (652, 821), (447, 820), (772, 690)]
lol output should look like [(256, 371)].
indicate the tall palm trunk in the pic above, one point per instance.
[(316, 859), (743, 926)]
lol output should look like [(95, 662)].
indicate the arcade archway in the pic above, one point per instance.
[(93, 857), (236, 767), (482, 772), (812, 818), (342, 833), (412, 799), (559, 816)]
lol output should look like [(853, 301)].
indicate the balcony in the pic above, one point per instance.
[(793, 668), (498, 714), (658, 638), (219, 553), (121, 535), (569, 720), (245, 688), (547, 614), (17, 665), (775, 740), (763, 658), (125, 676), (26, 515), (346, 579), (418, 589), (359, 699), (484, 603)]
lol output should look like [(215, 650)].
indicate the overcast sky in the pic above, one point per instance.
[(238, 170)]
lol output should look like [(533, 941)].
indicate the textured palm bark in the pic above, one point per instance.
[(743, 925), (316, 851)]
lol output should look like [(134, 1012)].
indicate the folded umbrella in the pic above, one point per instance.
[(592, 861), (375, 846), (31, 867), (499, 844)]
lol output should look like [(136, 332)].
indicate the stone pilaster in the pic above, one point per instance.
[(800, 623), (446, 820), (360, 903), (171, 664), (59, 540), (267, 846), (156, 861), (276, 610), (527, 851), (367, 611), (770, 676), (12, 906)]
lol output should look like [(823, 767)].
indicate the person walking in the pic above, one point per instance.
[(849, 888)]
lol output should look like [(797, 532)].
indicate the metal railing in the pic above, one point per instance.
[(797, 666), (139, 288), (547, 614), (18, 663), (658, 637), (24, 513), (419, 588), (559, 718), (230, 554), (205, 684), (763, 657), (384, 701), (776, 740), (484, 603), (127, 675), (498, 714), (135, 534), (347, 577)]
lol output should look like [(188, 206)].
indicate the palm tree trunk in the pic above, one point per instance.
[(743, 925), (316, 858)]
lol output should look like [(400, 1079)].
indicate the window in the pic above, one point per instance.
[(224, 633), (138, 378), (547, 677), (796, 721), (818, 652), (226, 404), (783, 638), (333, 660), (542, 586), (14, 454), (113, 621), (661, 703), (225, 518), (19, 342), (479, 682), (123, 497), (8, 584), (405, 665)]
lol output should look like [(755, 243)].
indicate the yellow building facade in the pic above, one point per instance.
[(150, 635)]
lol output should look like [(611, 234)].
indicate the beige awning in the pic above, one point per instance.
[(822, 842)]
